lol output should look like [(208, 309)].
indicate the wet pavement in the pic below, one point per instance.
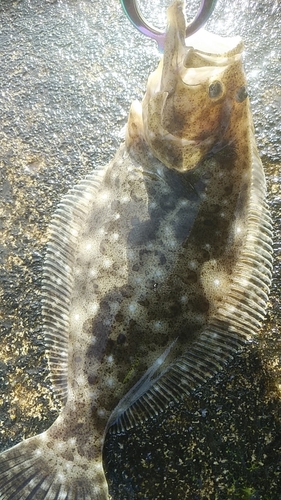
[(69, 71)]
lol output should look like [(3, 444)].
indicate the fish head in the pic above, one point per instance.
[(196, 100)]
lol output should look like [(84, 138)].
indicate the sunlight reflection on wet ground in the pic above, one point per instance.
[(69, 71)]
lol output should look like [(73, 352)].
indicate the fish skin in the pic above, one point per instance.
[(165, 250)]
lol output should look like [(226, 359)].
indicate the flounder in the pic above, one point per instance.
[(158, 266)]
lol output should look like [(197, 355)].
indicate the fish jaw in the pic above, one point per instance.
[(195, 103)]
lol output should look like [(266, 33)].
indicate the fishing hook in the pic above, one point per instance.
[(134, 15)]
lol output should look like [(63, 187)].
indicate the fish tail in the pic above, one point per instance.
[(44, 468)]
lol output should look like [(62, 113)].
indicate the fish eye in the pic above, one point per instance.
[(215, 89), (241, 94)]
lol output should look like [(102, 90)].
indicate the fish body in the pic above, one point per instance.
[(158, 266)]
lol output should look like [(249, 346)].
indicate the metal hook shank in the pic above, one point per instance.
[(132, 12)]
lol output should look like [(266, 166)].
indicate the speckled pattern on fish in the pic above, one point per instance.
[(158, 266)]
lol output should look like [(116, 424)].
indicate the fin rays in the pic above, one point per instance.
[(57, 282), (31, 471)]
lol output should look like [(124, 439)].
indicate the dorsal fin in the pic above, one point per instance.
[(237, 321), (58, 274)]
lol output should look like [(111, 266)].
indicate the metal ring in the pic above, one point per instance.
[(134, 15)]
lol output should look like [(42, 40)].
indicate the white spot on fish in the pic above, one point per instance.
[(107, 263), (77, 271), (101, 412), (93, 307), (183, 203), (168, 231), (81, 380), (110, 382), (172, 243), (193, 264), (93, 272), (61, 477), (98, 466), (138, 279), (104, 196), (115, 236), (132, 307), (199, 318), (59, 445), (216, 282), (159, 325), (77, 317), (93, 394), (158, 273)]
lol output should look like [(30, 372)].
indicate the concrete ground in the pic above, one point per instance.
[(68, 73)]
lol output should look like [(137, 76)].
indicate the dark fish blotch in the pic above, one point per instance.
[(135, 220), (228, 189), (182, 223), (172, 309), (134, 330), (200, 304), (226, 155), (115, 205), (92, 379), (134, 197), (167, 202), (121, 339), (144, 302), (97, 349), (143, 232), (105, 306), (143, 253), (126, 291), (119, 317), (103, 247), (110, 346), (162, 258), (188, 277)]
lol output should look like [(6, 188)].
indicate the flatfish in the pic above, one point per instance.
[(158, 266)]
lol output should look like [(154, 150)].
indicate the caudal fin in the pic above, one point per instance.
[(41, 469)]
